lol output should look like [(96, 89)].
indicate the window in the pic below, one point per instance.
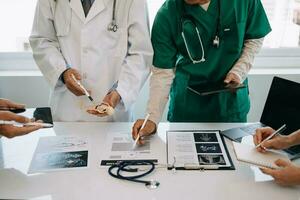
[(284, 17), (16, 17)]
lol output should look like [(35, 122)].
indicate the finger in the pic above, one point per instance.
[(19, 131), (135, 129), (15, 105), (143, 132), (268, 171), (93, 111), (255, 139), (228, 79), (75, 88), (141, 141), (76, 74), (261, 150), (258, 136), (282, 163), (269, 144), (97, 113), (9, 116)]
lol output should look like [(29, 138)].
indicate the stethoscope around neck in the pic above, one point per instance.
[(112, 26), (186, 18)]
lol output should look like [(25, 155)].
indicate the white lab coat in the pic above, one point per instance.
[(62, 36)]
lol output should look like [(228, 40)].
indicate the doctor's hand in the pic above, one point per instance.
[(11, 131), (113, 98), (287, 175), (276, 142), (71, 83), (232, 78), (106, 108), (7, 104), (149, 129)]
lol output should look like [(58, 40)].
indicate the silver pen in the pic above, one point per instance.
[(83, 88), (272, 135), (143, 126)]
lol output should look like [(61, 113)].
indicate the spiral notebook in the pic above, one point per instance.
[(249, 154)]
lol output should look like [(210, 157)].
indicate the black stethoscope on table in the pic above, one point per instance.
[(186, 18), (118, 168)]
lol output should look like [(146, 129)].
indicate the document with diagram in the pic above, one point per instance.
[(119, 146), (60, 153), (197, 149)]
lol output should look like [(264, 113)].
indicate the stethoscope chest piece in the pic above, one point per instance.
[(113, 27), (152, 184)]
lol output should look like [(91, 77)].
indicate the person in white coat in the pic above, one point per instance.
[(68, 38)]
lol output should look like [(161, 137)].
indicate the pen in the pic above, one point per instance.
[(81, 86), (14, 123), (143, 126), (273, 134), (200, 167)]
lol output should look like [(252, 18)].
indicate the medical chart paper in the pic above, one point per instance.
[(60, 153), (198, 148), (119, 147)]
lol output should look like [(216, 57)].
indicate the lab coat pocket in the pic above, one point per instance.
[(117, 42), (62, 20)]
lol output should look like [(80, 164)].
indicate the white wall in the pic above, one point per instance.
[(34, 91)]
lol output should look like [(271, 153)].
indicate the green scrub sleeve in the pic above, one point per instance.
[(165, 51), (257, 21)]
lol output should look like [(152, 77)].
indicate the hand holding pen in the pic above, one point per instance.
[(141, 129), (10, 130), (72, 79), (268, 138)]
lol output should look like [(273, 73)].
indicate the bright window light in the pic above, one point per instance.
[(284, 16)]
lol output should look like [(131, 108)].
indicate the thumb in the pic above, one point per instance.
[(15, 105), (282, 163), (228, 79)]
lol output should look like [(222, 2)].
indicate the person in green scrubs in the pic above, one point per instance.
[(202, 42)]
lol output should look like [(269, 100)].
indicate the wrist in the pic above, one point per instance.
[(62, 76), (292, 139)]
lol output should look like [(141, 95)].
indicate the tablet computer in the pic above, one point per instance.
[(215, 87)]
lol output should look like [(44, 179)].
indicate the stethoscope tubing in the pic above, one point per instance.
[(123, 167)]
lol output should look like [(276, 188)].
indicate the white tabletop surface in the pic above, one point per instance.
[(244, 183)]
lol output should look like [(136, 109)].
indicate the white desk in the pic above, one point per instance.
[(94, 183)]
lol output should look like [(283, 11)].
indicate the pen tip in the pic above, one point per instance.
[(91, 98)]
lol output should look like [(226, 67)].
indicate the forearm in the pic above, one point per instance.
[(295, 138), (160, 84), (245, 62)]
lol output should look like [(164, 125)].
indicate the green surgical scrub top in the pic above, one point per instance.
[(237, 21)]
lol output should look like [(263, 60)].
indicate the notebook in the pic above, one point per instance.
[(249, 154)]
